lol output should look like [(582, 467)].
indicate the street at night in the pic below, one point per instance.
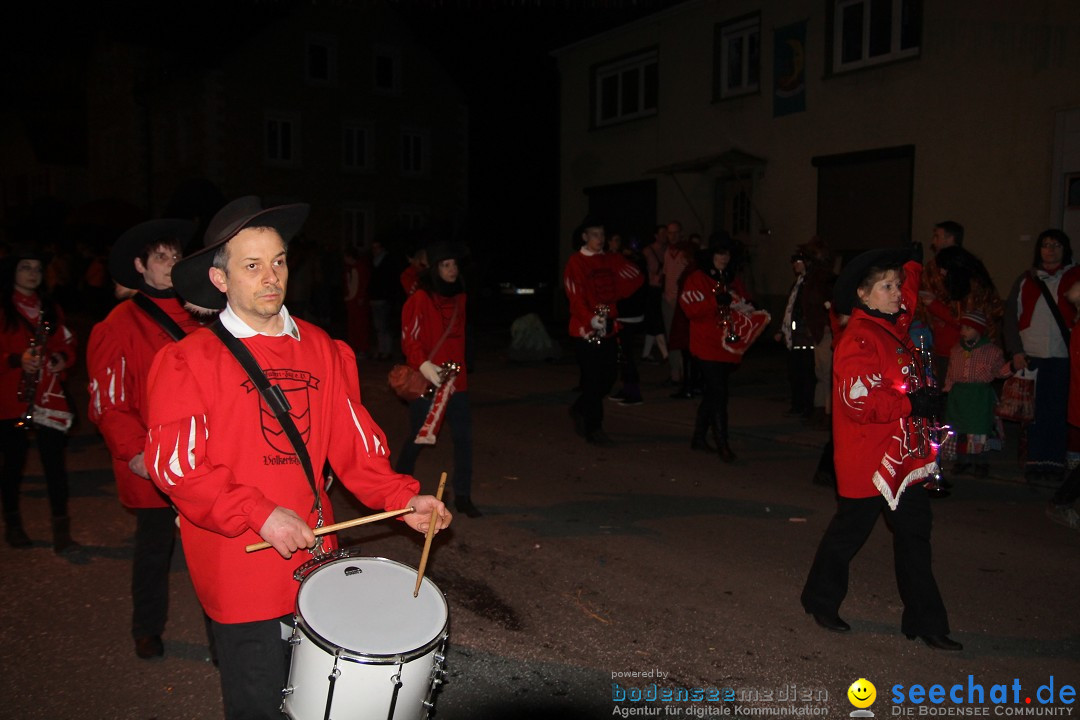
[(595, 572)]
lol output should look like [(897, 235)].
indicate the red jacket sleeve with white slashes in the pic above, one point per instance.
[(118, 359), (591, 280), (221, 456)]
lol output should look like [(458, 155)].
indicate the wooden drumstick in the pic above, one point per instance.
[(430, 535), (343, 525)]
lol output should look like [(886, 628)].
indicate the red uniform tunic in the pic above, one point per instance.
[(423, 321), (118, 359), (14, 342), (594, 279), (221, 456), (707, 333), (410, 280), (871, 367)]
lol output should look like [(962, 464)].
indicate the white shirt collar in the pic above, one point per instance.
[(589, 253), (240, 329)]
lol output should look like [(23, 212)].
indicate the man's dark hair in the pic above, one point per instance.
[(953, 229)]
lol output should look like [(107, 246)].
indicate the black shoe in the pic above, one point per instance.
[(617, 397), (578, 419), (149, 647), (939, 642), (463, 504), (725, 451), (628, 402), (16, 537), (832, 623), (682, 395), (599, 438), (701, 445)]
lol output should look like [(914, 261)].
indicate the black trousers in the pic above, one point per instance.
[(598, 363), (15, 445), (253, 660), (802, 379), (713, 409), (827, 585), (459, 417), (155, 537)]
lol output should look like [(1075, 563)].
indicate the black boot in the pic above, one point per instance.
[(14, 534), (62, 542), (463, 504), (699, 441)]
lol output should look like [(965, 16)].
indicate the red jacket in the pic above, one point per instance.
[(591, 280), (423, 321), (708, 334), (13, 343), (118, 358), (220, 455), (871, 367)]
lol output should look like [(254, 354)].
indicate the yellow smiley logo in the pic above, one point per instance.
[(862, 693)]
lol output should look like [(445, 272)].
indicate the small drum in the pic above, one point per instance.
[(363, 646)]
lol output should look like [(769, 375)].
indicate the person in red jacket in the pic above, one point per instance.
[(118, 358), (723, 325), (433, 333), (220, 454), (594, 282), (879, 426), (37, 348)]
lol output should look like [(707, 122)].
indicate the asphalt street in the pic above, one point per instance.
[(598, 577)]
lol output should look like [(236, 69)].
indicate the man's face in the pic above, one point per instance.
[(674, 232), (594, 239), (157, 272), (940, 240), (256, 275)]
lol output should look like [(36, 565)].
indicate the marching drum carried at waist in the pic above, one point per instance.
[(363, 646)]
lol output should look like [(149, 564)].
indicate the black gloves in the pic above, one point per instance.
[(927, 403)]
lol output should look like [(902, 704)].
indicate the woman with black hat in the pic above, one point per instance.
[(432, 334), (723, 325), (37, 349), (878, 460)]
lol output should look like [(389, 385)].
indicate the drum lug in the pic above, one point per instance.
[(286, 692)]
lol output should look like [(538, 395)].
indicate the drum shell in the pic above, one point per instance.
[(365, 683)]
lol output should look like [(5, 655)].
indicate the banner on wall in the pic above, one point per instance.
[(789, 69)]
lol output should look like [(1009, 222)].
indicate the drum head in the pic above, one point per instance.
[(366, 606)]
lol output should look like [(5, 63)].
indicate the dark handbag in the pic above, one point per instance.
[(407, 382)]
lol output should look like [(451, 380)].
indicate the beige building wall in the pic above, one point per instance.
[(980, 105)]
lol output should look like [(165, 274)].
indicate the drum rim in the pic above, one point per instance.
[(365, 658)]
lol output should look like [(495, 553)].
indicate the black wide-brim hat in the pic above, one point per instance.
[(444, 250), (131, 244), (191, 276), (845, 295)]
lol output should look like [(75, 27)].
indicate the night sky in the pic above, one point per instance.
[(498, 51)]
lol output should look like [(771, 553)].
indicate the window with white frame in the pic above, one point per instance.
[(737, 57), (387, 70), (281, 139), (869, 32), (356, 225), (414, 152), (321, 59), (626, 89), (356, 141), (413, 217)]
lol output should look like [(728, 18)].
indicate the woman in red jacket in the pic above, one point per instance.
[(723, 324), (37, 349), (879, 460), (433, 333)]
